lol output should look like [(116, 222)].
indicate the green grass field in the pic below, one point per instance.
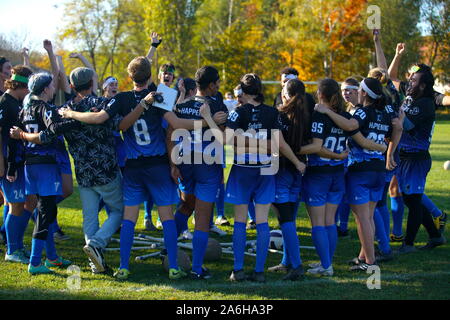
[(422, 275)]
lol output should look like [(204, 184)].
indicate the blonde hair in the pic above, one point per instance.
[(380, 74)]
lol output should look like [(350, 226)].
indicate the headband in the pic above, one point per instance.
[(19, 78), (371, 94), (348, 87), (238, 92), (414, 69), (108, 82), (290, 76)]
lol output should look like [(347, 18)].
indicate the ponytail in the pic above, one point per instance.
[(330, 89)]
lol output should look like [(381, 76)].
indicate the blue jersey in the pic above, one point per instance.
[(334, 139), (190, 109), (418, 125), (375, 125), (146, 137), (257, 122)]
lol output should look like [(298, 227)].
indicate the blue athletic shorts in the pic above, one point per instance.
[(43, 179), (288, 184), (246, 184), (365, 186), (201, 180), (14, 192), (62, 157), (322, 188), (412, 175), (139, 184)]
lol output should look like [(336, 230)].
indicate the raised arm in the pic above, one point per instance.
[(26, 57), (393, 68), (156, 41), (63, 81), (87, 64), (381, 59), (51, 55)]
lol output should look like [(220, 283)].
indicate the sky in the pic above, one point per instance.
[(34, 20)]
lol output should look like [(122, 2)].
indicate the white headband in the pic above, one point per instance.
[(108, 82), (290, 76), (371, 94), (348, 87), (238, 92)]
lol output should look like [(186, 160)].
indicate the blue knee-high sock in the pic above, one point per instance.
[(262, 245), (199, 244), (320, 240), (435, 212), (181, 221), (5, 215), (290, 239), (342, 214), (148, 206), (37, 246), (24, 218), (397, 208), (332, 239), (239, 239), (220, 201), (380, 233), (384, 212), (50, 248), (126, 242), (12, 227), (251, 211), (170, 242), (285, 261)]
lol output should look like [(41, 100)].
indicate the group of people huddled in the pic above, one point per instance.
[(343, 148)]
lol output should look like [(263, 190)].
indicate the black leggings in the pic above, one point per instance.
[(285, 212), (47, 211), (418, 215)]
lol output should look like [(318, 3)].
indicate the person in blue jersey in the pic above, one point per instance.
[(252, 176), (12, 179), (324, 182), (41, 165), (415, 160), (199, 179), (366, 171)]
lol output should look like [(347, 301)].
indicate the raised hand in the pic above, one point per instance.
[(74, 55), (48, 46), (25, 52), (400, 50)]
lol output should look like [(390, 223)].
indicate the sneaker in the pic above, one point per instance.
[(395, 238), (122, 274), (186, 235), (203, 276), (406, 249), (322, 271), (107, 270), (216, 230), (17, 256), (59, 235), (384, 257), (362, 267), (26, 252), (256, 277), (343, 234), (222, 221), (96, 256), (433, 243), (148, 225), (159, 225), (251, 225), (279, 268), (40, 269), (238, 276), (175, 274), (295, 274), (58, 263), (355, 261), (314, 265)]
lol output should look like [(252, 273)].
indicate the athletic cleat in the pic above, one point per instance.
[(295, 274), (148, 225), (238, 276), (40, 269), (404, 249), (355, 261), (362, 266), (222, 221), (251, 225), (159, 225), (279, 268), (384, 257), (395, 238), (343, 234), (186, 235), (216, 230), (122, 274), (95, 271), (58, 263), (256, 277), (203, 276), (59, 235), (175, 274), (96, 257), (433, 243), (322, 271), (17, 256)]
